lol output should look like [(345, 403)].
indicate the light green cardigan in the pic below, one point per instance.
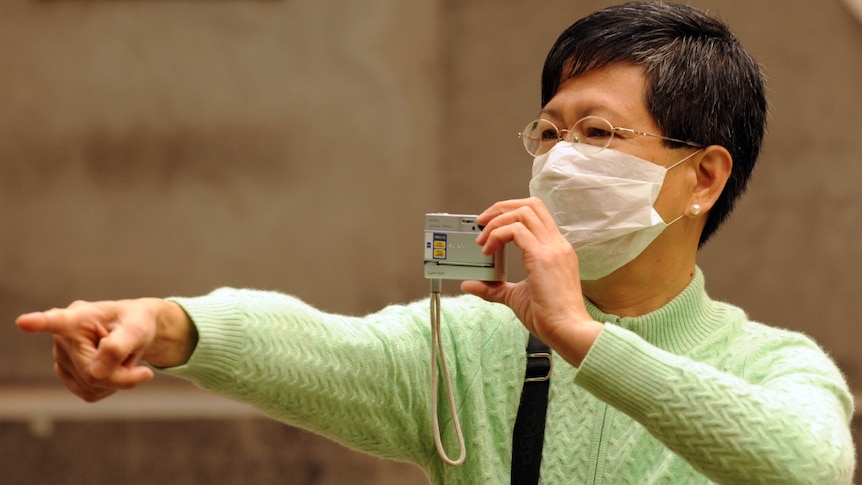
[(691, 393)]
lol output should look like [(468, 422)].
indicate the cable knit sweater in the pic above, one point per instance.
[(691, 393)]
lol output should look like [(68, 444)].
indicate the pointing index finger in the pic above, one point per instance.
[(33, 322), (62, 322)]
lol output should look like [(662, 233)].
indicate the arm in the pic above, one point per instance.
[(364, 382), (783, 419), (98, 347)]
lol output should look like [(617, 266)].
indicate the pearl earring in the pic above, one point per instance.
[(695, 209)]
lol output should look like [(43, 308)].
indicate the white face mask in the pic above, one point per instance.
[(603, 203)]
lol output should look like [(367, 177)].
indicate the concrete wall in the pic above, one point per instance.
[(164, 148)]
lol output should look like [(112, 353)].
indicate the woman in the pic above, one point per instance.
[(652, 118)]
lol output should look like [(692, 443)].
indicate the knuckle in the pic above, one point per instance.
[(87, 380), (123, 341), (111, 353), (563, 251)]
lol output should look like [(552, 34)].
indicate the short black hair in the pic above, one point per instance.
[(702, 85)]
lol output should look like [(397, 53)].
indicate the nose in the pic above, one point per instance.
[(569, 136)]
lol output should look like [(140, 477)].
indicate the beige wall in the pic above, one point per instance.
[(160, 148)]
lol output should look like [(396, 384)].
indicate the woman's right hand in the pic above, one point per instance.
[(99, 346), (549, 301)]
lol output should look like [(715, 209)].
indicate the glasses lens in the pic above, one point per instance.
[(593, 132), (539, 136)]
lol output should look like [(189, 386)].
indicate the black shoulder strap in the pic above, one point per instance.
[(529, 433)]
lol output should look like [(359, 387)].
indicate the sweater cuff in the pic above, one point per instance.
[(220, 341), (625, 371)]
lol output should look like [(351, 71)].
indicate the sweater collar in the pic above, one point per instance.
[(678, 326)]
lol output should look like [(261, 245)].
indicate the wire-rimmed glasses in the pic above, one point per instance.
[(594, 133)]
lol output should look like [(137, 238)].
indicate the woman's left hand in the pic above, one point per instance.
[(549, 301)]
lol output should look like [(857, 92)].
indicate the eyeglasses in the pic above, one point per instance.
[(593, 132)]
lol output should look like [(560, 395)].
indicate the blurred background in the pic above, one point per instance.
[(158, 148)]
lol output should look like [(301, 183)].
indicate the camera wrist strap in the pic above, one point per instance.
[(437, 344), (529, 431)]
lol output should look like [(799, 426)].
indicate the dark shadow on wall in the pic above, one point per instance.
[(236, 451)]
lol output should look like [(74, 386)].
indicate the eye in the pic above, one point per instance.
[(597, 132), (549, 135), (539, 136), (594, 130)]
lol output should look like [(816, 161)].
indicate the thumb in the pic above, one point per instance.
[(493, 291), (117, 357)]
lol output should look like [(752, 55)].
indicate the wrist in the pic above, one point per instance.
[(575, 342), (175, 335)]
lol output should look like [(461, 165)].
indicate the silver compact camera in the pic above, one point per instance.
[(451, 252)]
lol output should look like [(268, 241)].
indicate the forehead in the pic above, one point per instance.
[(616, 92)]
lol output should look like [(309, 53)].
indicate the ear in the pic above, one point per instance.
[(712, 173)]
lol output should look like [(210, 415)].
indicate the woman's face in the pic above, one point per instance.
[(617, 93)]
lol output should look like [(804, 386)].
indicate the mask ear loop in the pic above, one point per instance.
[(674, 165), (684, 159)]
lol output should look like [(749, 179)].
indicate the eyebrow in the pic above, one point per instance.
[(594, 109)]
